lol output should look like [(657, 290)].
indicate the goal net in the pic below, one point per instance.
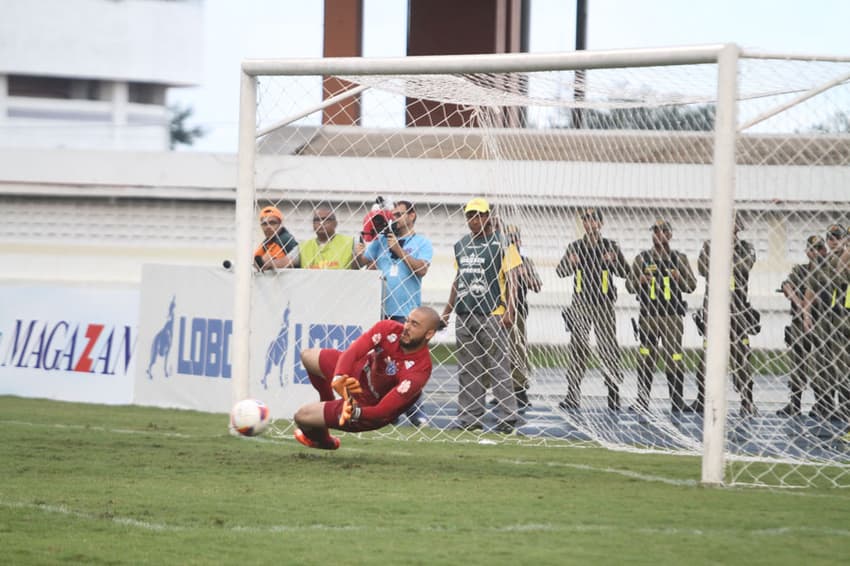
[(609, 172)]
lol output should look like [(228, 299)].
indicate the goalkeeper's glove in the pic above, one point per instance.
[(345, 385), (350, 411)]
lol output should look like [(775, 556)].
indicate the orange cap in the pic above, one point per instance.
[(271, 211)]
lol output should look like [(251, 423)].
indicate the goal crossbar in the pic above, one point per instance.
[(491, 63)]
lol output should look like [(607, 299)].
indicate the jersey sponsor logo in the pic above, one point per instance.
[(391, 338), (478, 288), (392, 368), (376, 338), (409, 364), (404, 386), (64, 345), (470, 260)]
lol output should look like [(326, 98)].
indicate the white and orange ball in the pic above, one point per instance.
[(250, 417)]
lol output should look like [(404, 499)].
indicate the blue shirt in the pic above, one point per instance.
[(402, 288)]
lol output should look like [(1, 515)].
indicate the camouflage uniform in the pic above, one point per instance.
[(666, 275), (830, 285), (599, 260), (742, 324), (799, 342)]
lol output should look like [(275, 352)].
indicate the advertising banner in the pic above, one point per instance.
[(68, 343), (186, 329)]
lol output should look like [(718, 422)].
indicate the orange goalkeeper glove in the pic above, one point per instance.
[(345, 386), (350, 411)]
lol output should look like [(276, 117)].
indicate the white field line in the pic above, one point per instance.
[(521, 528), (98, 429), (625, 473)]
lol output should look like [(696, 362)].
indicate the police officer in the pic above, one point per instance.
[(743, 321), (825, 312), (799, 341), (593, 262), (659, 277)]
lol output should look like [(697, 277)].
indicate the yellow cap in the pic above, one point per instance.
[(477, 205)]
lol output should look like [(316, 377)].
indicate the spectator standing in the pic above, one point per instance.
[(484, 301), (799, 342), (593, 262), (659, 277), (278, 247), (328, 250)]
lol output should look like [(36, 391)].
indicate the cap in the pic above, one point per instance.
[(813, 242), (477, 205), (271, 211), (593, 213), (661, 225), (836, 231)]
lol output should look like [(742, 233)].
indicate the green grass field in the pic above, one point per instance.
[(88, 484)]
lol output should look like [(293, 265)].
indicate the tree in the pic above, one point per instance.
[(838, 123), (180, 132), (695, 118)]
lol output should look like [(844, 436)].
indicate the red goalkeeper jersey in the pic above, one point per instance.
[(391, 380)]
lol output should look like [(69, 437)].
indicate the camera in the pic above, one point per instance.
[(383, 226)]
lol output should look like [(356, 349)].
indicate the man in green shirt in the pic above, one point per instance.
[(484, 301), (328, 250)]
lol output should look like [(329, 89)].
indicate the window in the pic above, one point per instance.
[(146, 93)]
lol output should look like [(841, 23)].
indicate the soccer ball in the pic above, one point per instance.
[(249, 417)]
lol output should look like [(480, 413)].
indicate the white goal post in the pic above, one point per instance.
[(492, 83)]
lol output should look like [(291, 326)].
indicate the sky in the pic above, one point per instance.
[(234, 31)]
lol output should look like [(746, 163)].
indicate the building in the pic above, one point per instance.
[(93, 74)]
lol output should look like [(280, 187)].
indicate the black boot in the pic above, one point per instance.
[(748, 407), (792, 409), (676, 385), (571, 401), (613, 398), (522, 403), (644, 387)]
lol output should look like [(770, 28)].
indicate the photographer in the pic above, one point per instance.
[(403, 257)]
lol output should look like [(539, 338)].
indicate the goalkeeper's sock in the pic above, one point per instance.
[(323, 386)]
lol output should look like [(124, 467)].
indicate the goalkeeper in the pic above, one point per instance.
[(377, 377)]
